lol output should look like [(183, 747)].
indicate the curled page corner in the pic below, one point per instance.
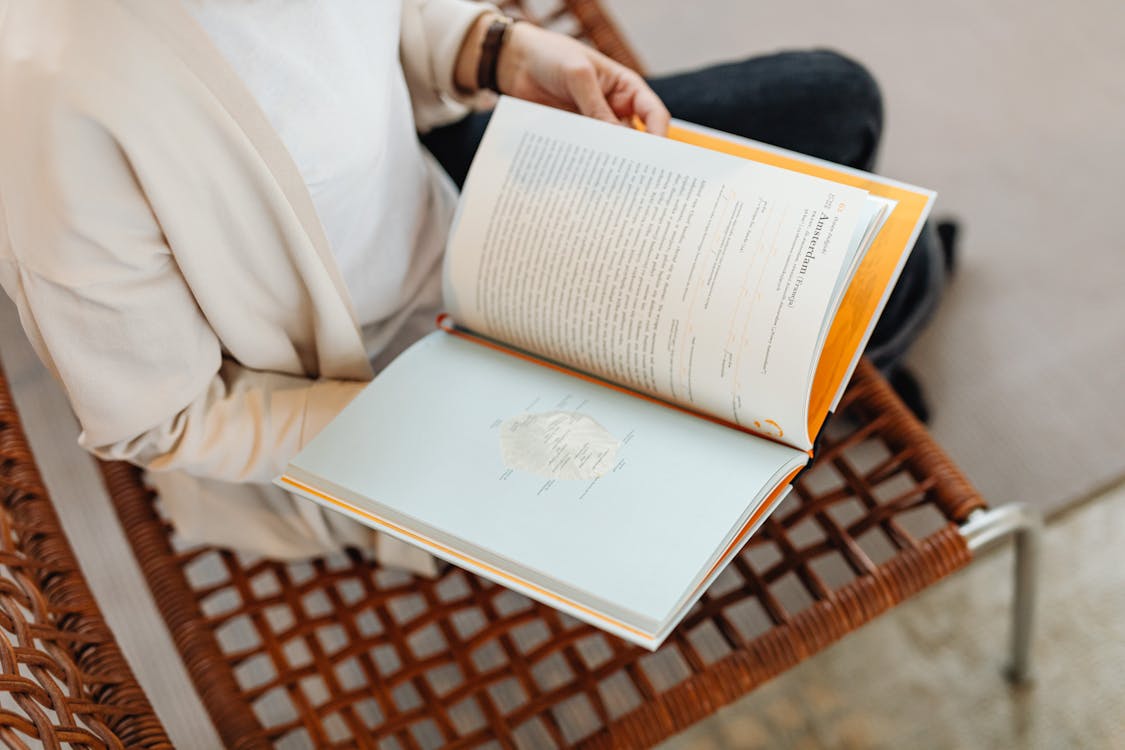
[(445, 322)]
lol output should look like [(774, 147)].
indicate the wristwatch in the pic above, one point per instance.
[(490, 53)]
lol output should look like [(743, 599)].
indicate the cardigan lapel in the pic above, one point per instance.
[(174, 25)]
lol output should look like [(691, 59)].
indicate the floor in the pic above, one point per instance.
[(928, 675)]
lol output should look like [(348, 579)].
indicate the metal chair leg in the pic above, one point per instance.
[(985, 527)]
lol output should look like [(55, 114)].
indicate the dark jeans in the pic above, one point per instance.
[(818, 103)]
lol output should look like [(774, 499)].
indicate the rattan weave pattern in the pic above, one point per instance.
[(62, 678), (340, 653)]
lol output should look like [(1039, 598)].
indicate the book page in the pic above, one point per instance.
[(514, 468), (695, 276), (872, 281)]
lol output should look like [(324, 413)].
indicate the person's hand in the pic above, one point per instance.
[(553, 69)]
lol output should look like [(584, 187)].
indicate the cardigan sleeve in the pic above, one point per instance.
[(104, 304), (430, 39), (243, 427)]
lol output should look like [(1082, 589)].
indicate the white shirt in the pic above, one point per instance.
[(328, 78)]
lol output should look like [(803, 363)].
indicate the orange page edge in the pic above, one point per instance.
[(741, 537), (872, 278), (395, 528), (593, 614)]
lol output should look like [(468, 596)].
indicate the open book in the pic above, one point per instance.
[(644, 337)]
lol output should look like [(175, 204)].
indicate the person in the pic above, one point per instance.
[(218, 220)]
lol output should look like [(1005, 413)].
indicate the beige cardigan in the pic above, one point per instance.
[(194, 315)]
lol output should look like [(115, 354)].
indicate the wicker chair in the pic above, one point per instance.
[(340, 653), (64, 679)]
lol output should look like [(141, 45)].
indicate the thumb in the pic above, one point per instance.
[(588, 96)]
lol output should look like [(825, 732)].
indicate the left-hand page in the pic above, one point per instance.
[(599, 494)]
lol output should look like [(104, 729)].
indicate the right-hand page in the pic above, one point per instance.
[(698, 277), (876, 272)]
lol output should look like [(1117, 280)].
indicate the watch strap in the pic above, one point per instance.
[(490, 49)]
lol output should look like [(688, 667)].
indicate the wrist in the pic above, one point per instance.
[(495, 43), (468, 59), (512, 55)]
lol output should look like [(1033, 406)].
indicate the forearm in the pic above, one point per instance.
[(243, 428), (432, 35)]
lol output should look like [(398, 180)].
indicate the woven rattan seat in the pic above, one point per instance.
[(64, 680), (341, 653)]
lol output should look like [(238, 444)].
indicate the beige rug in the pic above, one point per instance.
[(1014, 112)]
